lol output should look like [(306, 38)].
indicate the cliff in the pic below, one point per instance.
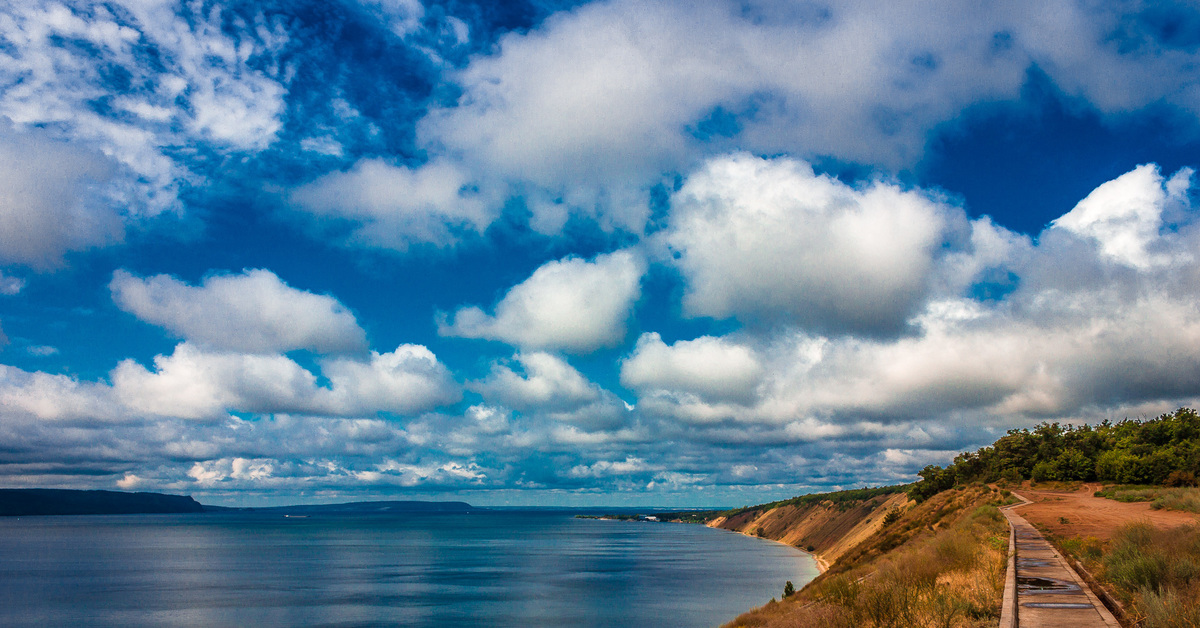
[(822, 525)]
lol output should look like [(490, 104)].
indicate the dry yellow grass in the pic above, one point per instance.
[(941, 565)]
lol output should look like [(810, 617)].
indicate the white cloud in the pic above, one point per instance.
[(194, 384), (253, 312), (10, 285), (570, 304), (45, 396), (548, 383), (1125, 216), (396, 206), (769, 239), (405, 381), (53, 200), (713, 368), (589, 109), (602, 468), (1078, 337), (195, 73)]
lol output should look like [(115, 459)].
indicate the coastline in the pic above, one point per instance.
[(820, 561)]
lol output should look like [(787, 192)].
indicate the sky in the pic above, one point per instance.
[(623, 252)]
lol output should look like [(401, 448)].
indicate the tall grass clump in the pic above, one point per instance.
[(1158, 573), (1182, 499)]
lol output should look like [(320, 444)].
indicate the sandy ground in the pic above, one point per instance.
[(1086, 515)]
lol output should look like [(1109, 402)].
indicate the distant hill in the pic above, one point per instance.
[(15, 502)]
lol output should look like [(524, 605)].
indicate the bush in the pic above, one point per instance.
[(1180, 478), (1044, 471), (891, 517), (789, 589)]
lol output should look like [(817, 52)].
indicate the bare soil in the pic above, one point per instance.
[(1078, 513)]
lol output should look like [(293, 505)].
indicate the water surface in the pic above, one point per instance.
[(491, 568)]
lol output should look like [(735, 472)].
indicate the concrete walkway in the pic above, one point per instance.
[(1042, 591)]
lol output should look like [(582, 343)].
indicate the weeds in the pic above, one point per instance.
[(1185, 499), (1158, 572)]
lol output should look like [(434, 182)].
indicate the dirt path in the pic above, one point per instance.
[(1086, 515)]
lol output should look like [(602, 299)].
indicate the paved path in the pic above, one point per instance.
[(1042, 590)]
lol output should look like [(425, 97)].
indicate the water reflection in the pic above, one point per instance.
[(485, 569)]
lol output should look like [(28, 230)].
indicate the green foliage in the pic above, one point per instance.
[(789, 589), (1165, 450), (892, 517), (841, 499), (934, 480)]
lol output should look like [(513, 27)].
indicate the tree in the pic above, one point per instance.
[(788, 589)]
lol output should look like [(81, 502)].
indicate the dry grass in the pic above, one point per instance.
[(911, 574), (1155, 572)]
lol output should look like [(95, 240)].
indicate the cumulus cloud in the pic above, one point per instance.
[(53, 200), (713, 368), (192, 383), (407, 380), (570, 304), (397, 206), (594, 106), (547, 382), (45, 396), (252, 312), (1079, 336), (769, 239), (1125, 216)]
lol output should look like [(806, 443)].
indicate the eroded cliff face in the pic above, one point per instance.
[(829, 528)]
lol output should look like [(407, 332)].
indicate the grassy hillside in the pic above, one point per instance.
[(937, 563)]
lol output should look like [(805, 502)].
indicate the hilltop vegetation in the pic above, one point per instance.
[(1161, 451)]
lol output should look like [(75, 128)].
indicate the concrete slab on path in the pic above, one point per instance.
[(1048, 593)]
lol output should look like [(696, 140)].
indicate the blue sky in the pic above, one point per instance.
[(622, 252)]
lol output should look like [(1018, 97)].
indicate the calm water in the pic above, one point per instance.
[(492, 568)]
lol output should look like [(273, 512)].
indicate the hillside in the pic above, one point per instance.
[(825, 525), (47, 501), (939, 562)]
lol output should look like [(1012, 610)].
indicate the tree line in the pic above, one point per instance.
[(1160, 451)]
